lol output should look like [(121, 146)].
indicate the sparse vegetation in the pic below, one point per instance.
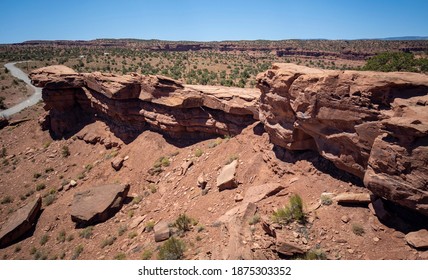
[(132, 235), (147, 255), (396, 61), (291, 212), (40, 187), (357, 229), (254, 220), (44, 239), (108, 241), (86, 232), (65, 151), (61, 236), (49, 199), (315, 254), (7, 199), (172, 249), (120, 256), (77, 251), (231, 159), (326, 200), (198, 152), (122, 230), (183, 223), (149, 226)]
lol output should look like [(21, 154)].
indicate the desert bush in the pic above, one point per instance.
[(122, 230), (40, 187), (149, 226), (147, 255), (108, 241), (65, 151), (172, 249), (77, 251), (254, 220), (231, 159), (198, 152), (61, 236), (6, 200), (183, 223), (120, 256), (357, 229), (291, 212), (86, 232), (44, 239), (326, 200), (315, 254)]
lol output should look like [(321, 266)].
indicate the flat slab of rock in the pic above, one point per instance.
[(288, 250), (418, 239), (353, 198), (226, 179), (20, 222), (97, 204), (162, 231)]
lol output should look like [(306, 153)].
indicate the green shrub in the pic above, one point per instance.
[(132, 235), (44, 239), (65, 151), (77, 251), (357, 229), (6, 200), (315, 254), (120, 256), (231, 159), (149, 226), (291, 212), (147, 255), (122, 230), (49, 199), (40, 187), (61, 236), (172, 249), (108, 241), (198, 152), (86, 232), (183, 223), (254, 220), (326, 200)]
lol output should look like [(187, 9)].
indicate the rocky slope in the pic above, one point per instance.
[(370, 124), (132, 103)]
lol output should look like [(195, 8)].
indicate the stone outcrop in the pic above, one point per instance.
[(373, 125), (132, 103), (20, 222), (226, 179), (97, 204), (418, 239)]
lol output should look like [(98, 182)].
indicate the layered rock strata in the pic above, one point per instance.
[(371, 124), (131, 103)]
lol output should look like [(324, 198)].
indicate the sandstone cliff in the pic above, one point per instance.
[(131, 103), (370, 124), (373, 125)]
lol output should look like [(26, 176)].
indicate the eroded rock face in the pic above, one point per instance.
[(20, 222), (131, 103), (97, 204), (373, 125)]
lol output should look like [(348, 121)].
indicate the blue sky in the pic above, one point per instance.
[(201, 20)]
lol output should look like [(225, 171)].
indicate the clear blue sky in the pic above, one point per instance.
[(209, 20)]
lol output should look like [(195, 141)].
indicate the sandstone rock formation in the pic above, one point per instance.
[(97, 204), (131, 103), (20, 222), (370, 124), (162, 231)]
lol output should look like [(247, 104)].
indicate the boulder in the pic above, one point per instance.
[(162, 231), (418, 239), (97, 204), (226, 179), (353, 198), (117, 163), (373, 125), (287, 250), (202, 181), (20, 222)]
